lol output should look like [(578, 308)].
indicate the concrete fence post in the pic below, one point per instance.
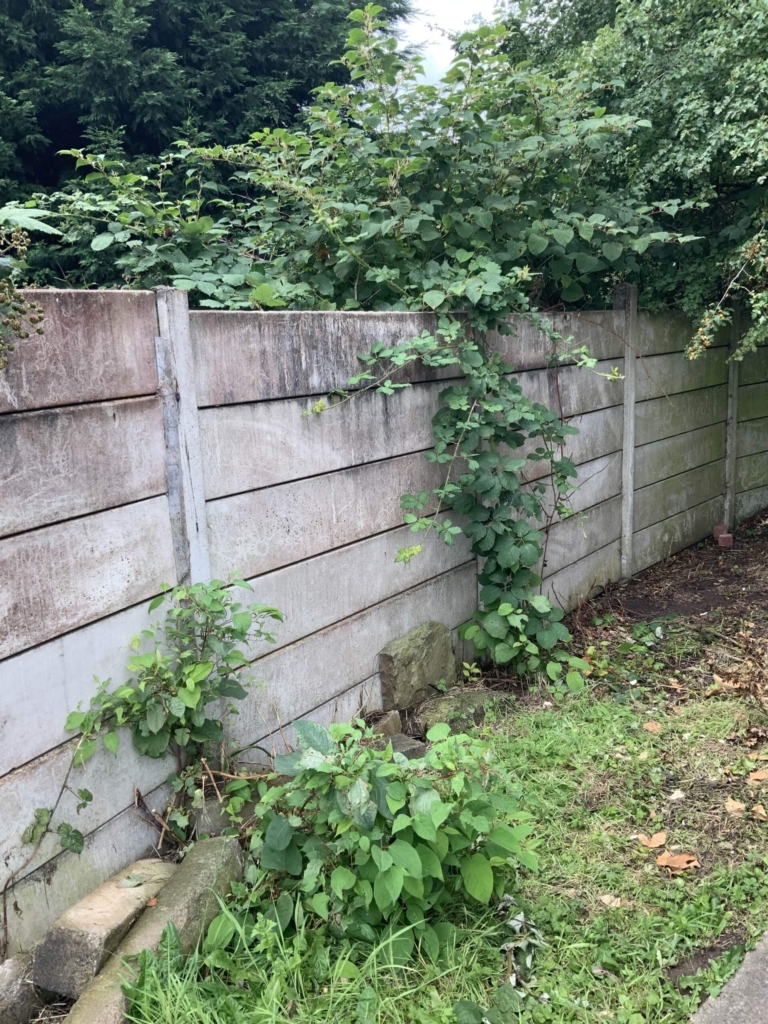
[(625, 298), (184, 466), (731, 425)]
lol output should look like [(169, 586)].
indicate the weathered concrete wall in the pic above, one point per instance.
[(96, 512)]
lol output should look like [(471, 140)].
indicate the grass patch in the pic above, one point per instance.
[(664, 739)]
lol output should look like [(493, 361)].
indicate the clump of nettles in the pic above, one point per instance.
[(18, 317)]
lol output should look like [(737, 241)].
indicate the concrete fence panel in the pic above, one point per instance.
[(141, 445)]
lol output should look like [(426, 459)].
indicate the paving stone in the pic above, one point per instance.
[(79, 942), (189, 901), (744, 999), (18, 999), (415, 665)]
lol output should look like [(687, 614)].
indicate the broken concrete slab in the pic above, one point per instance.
[(389, 724), (18, 998), (461, 709), (416, 665), (78, 943), (189, 901), (743, 999), (409, 747)]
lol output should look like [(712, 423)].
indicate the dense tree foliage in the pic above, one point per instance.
[(133, 75), (698, 70)]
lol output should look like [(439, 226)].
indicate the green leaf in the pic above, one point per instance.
[(102, 241), (434, 298), (341, 880), (313, 736), (439, 732), (220, 932), (406, 857), (537, 244), (477, 875), (70, 838), (279, 833), (430, 862), (320, 903), (112, 742), (612, 250), (554, 670), (563, 236), (574, 681), (74, 721), (387, 887), (540, 603)]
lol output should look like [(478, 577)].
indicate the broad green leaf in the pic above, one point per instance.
[(612, 250), (434, 298), (312, 736), (111, 742), (439, 732), (220, 932), (279, 833), (477, 875), (387, 887), (406, 857), (102, 241), (342, 879)]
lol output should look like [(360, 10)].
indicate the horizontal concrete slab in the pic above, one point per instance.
[(110, 779), (95, 346), (754, 367), (752, 471), (60, 577), (45, 894), (579, 536), (60, 463), (574, 584), (658, 542), (674, 455), (666, 498), (752, 437), (672, 374), (753, 402), (261, 444), (315, 593), (263, 530), (680, 414), (749, 503)]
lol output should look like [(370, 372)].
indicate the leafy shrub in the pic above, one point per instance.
[(195, 662), (378, 846)]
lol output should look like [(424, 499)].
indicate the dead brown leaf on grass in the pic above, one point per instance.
[(759, 776), (613, 902), (652, 727), (653, 842), (677, 862), (735, 807), (758, 811)]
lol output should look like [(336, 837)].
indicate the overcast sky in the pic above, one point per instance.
[(436, 18)]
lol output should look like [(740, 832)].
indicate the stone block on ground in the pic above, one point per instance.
[(78, 943), (725, 540), (409, 747), (416, 665), (18, 999), (460, 709), (389, 724), (189, 901)]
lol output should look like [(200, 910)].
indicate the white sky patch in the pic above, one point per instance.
[(431, 26)]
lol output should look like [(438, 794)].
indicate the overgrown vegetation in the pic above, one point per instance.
[(647, 796)]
